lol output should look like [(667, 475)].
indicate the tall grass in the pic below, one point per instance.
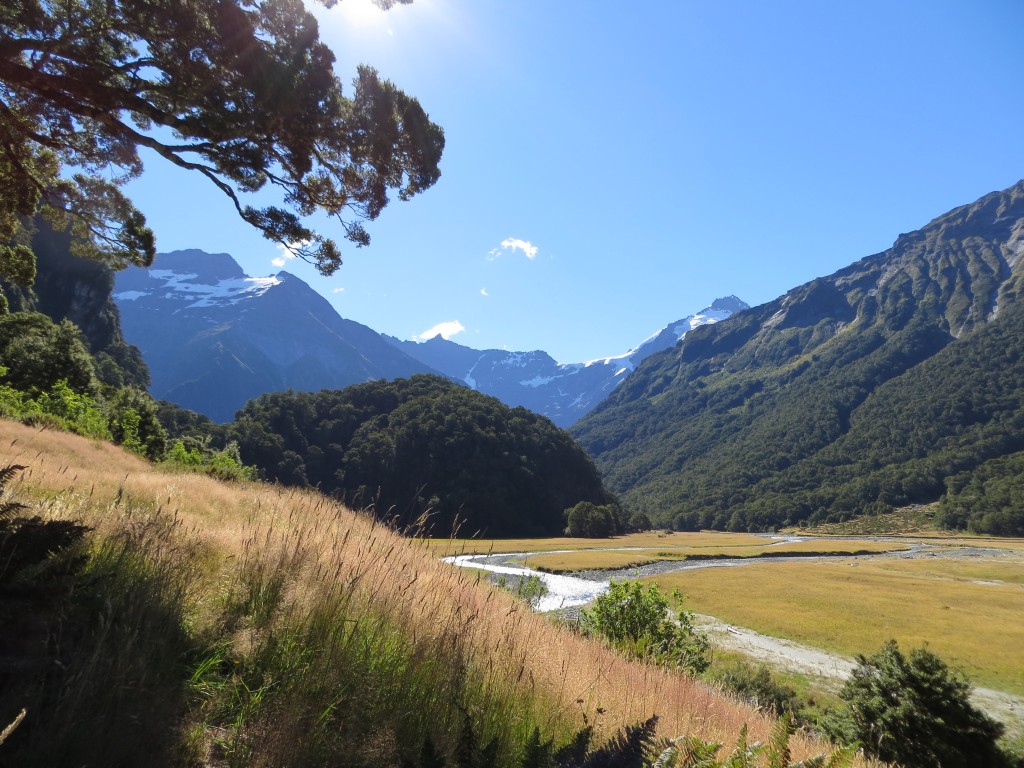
[(250, 625), (98, 667)]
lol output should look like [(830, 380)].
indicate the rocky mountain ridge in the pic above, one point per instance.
[(215, 338)]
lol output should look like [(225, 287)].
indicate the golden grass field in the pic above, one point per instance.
[(616, 558), (327, 546), (969, 611), (444, 547)]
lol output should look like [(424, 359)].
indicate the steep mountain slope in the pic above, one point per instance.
[(852, 393), (215, 338), (562, 392)]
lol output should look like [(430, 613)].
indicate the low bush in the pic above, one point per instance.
[(636, 620)]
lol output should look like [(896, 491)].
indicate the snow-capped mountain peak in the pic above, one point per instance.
[(563, 392), (214, 337)]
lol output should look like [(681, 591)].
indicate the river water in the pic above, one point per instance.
[(563, 591)]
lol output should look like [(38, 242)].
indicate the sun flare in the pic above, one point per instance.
[(361, 13)]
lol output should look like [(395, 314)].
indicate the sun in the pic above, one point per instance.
[(361, 13)]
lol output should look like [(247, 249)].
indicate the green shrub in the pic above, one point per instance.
[(756, 685), (636, 620), (913, 710), (197, 456), (528, 588), (132, 415), (186, 457), (79, 412)]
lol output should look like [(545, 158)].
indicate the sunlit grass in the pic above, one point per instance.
[(295, 602), (613, 559), (854, 607), (443, 547), (984, 541)]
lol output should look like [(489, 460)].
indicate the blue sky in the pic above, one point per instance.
[(613, 167)]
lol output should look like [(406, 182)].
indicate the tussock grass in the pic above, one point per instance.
[(854, 607), (275, 627), (606, 559)]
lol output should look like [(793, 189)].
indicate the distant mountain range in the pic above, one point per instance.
[(893, 381), (215, 338), (564, 392)]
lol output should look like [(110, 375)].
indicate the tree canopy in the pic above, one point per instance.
[(242, 92), (422, 444)]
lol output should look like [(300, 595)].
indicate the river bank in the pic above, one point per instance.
[(568, 593)]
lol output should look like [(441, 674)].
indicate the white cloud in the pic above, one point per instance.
[(338, 290), (483, 292), (445, 330), (288, 252), (515, 244)]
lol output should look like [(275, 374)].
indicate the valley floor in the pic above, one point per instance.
[(812, 613), (829, 668)]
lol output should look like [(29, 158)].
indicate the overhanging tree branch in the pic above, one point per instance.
[(249, 92)]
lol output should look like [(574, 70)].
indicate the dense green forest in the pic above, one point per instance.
[(850, 395), (423, 444)]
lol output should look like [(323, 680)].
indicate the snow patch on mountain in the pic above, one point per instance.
[(538, 381), (564, 392), (182, 286), (235, 337)]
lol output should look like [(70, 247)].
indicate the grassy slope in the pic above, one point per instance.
[(271, 596)]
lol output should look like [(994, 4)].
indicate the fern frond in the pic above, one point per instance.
[(8, 509), (6, 473), (745, 754), (842, 758), (573, 754), (694, 753), (626, 749), (778, 742)]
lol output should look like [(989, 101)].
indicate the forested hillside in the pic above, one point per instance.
[(851, 394), (68, 287), (422, 444)]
